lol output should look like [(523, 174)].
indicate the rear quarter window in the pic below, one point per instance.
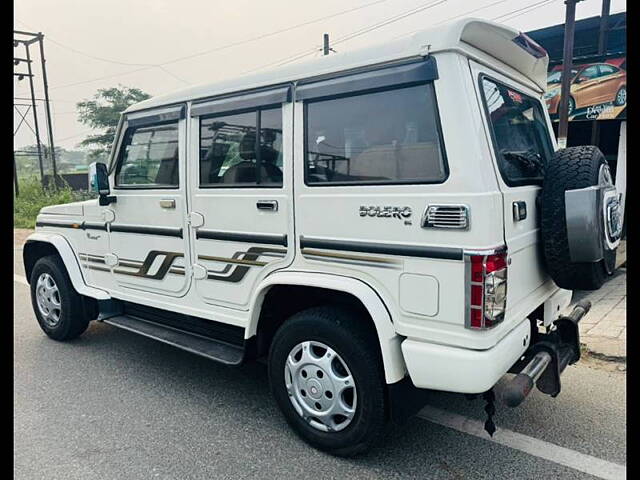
[(385, 137)]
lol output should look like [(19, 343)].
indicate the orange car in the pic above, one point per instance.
[(591, 84)]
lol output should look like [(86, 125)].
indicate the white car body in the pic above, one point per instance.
[(418, 303)]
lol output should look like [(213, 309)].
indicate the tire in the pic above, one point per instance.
[(71, 320), (570, 107), (570, 168), (344, 333), (619, 100)]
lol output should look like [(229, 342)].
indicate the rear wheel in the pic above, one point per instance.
[(326, 375), (57, 306)]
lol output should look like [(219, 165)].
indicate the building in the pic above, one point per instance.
[(601, 108)]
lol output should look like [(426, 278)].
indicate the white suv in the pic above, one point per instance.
[(376, 223)]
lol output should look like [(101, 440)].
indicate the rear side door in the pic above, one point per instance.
[(147, 232), (240, 198), (516, 124), (610, 81)]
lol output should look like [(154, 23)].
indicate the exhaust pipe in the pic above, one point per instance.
[(522, 384)]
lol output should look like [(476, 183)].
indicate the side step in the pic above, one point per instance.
[(203, 346)]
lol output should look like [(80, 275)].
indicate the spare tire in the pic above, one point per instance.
[(573, 168)]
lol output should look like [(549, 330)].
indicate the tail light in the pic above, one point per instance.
[(487, 290)]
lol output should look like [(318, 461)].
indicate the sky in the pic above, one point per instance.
[(164, 45)]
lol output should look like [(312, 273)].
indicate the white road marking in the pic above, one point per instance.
[(533, 446)]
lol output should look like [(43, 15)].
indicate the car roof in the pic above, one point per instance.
[(465, 36)]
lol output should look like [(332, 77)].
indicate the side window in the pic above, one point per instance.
[(607, 70), (589, 73), (231, 155), (391, 136), (520, 134), (148, 157)]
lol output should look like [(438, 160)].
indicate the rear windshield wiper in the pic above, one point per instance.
[(530, 160)]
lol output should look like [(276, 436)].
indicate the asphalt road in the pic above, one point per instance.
[(115, 405)]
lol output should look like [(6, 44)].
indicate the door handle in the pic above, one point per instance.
[(168, 203), (267, 205)]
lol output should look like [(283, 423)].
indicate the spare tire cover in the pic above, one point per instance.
[(570, 169)]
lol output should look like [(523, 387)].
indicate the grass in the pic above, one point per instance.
[(33, 197)]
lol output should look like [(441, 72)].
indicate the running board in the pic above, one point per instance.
[(206, 347)]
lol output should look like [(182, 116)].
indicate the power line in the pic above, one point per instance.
[(95, 57), (187, 57), (275, 32), (351, 35), (530, 8), (384, 23), (99, 78)]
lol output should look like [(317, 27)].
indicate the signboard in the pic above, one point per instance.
[(598, 91)]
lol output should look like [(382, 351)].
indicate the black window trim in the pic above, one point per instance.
[(376, 183), (511, 183), (375, 78), (243, 101), (119, 159), (258, 111)]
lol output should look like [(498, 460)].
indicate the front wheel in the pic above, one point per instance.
[(326, 375), (570, 107), (58, 307)]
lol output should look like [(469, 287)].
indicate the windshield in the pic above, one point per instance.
[(556, 77), (520, 134)]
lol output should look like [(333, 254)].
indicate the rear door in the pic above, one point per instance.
[(240, 196), (517, 125)]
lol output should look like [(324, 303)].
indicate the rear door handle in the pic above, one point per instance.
[(168, 203), (267, 205)]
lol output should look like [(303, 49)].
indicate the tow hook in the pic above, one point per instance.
[(546, 359)]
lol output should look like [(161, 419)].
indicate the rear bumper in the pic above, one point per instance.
[(452, 369)]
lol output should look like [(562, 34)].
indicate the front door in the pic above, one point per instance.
[(240, 193), (148, 239)]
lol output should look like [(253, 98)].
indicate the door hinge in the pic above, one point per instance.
[(195, 219), (199, 272)]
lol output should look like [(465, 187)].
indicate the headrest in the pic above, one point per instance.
[(247, 147)]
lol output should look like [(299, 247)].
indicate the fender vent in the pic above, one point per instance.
[(446, 216)]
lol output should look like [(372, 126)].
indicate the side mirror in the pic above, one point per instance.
[(99, 183)]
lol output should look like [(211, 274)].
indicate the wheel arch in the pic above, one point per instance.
[(389, 342), (39, 245)]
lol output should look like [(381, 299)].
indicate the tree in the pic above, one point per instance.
[(103, 112)]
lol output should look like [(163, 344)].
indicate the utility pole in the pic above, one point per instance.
[(567, 63), (15, 175), (35, 114), (48, 109), (602, 50), (31, 38)]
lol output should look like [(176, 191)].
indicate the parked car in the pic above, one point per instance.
[(591, 84), (374, 224)]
